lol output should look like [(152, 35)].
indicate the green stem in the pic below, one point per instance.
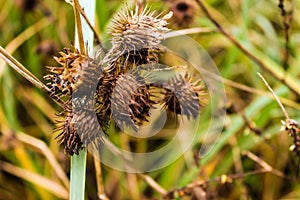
[(77, 184), (78, 162)]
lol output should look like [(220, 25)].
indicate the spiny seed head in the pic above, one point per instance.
[(109, 91), (76, 79), (102, 98), (131, 101), (68, 135), (78, 130), (65, 78), (128, 22), (75, 69), (133, 30), (184, 95), (88, 127), (135, 39)]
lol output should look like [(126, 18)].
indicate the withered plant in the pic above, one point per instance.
[(103, 94), (116, 82)]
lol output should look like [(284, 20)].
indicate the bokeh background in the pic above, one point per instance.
[(33, 165)]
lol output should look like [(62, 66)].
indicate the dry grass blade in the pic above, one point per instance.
[(188, 189), (77, 9), (37, 179), (96, 36), (22, 37), (42, 147), (252, 90), (188, 31), (16, 65), (100, 187), (152, 183), (289, 125), (275, 96), (285, 101), (38, 144), (263, 164)]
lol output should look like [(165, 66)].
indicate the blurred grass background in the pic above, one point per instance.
[(34, 167)]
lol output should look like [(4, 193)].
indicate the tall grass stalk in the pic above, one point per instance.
[(78, 163)]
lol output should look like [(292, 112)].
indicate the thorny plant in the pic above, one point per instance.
[(78, 73), (116, 87)]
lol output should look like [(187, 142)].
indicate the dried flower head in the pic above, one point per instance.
[(75, 78), (75, 69), (135, 34), (68, 136), (113, 89), (184, 95), (65, 78), (131, 101), (138, 29)]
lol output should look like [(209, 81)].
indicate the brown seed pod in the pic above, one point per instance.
[(135, 34), (130, 102), (138, 28), (68, 135), (184, 95), (88, 127), (76, 79), (64, 78), (103, 99), (74, 70)]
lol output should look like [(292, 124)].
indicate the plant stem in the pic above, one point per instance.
[(83, 33), (77, 184)]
